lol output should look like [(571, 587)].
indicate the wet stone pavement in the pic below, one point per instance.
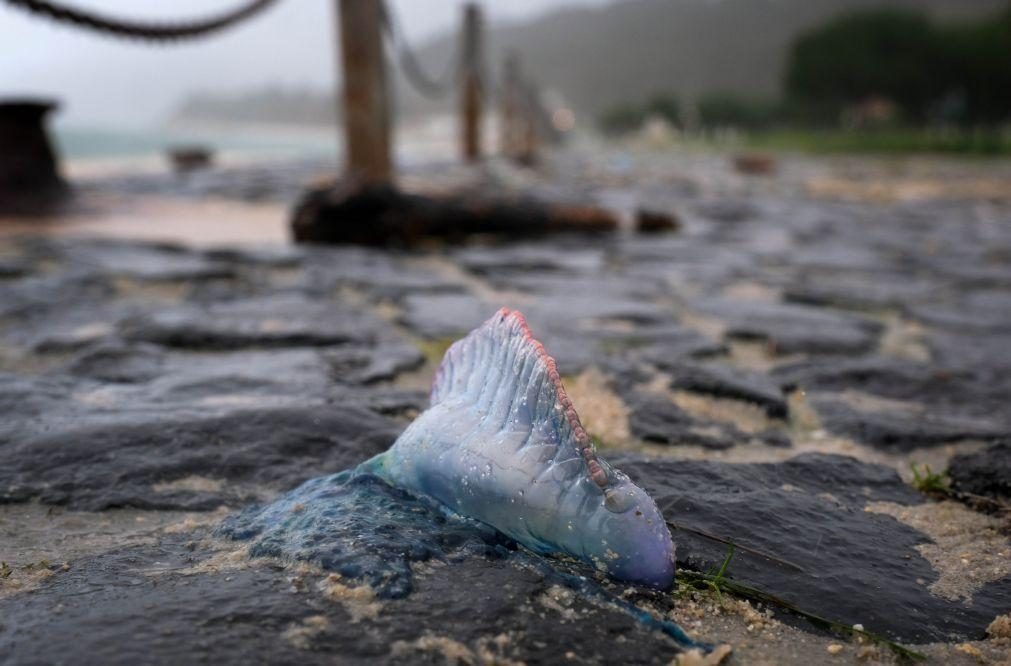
[(769, 372)]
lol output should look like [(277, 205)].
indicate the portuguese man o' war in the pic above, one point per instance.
[(501, 443), (499, 457)]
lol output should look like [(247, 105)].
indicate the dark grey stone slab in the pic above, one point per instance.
[(445, 315), (725, 382), (530, 257), (108, 605), (25, 400), (282, 320), (847, 254), (793, 328), (986, 312), (880, 375), (832, 558), (35, 296), (898, 429), (367, 365), (117, 462), (133, 606), (117, 362), (861, 291), (141, 260), (727, 210), (986, 472), (654, 418), (944, 391), (983, 354), (665, 347), (13, 268), (273, 256), (381, 275), (159, 377)]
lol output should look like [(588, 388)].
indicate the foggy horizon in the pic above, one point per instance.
[(104, 82)]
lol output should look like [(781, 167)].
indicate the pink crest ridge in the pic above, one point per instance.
[(583, 442)]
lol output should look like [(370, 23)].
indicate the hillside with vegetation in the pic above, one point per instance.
[(707, 53), (598, 58)]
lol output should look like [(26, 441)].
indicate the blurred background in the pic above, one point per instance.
[(833, 75)]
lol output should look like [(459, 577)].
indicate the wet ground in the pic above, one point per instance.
[(770, 372)]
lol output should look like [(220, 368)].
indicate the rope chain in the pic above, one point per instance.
[(140, 29), (415, 74)]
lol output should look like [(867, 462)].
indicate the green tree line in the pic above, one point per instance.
[(957, 73), (952, 74)]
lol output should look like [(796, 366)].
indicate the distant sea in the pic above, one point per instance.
[(105, 148), (252, 142)]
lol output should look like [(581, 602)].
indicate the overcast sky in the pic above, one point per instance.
[(104, 81)]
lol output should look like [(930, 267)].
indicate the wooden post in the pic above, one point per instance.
[(530, 137), (470, 94), (509, 121), (366, 105)]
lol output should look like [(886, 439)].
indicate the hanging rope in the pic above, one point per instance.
[(139, 29), (428, 86)]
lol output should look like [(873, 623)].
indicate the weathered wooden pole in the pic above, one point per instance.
[(510, 103), (366, 103), (530, 138), (470, 93)]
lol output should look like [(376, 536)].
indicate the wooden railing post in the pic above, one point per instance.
[(530, 139), (366, 102), (471, 106), (509, 129)]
